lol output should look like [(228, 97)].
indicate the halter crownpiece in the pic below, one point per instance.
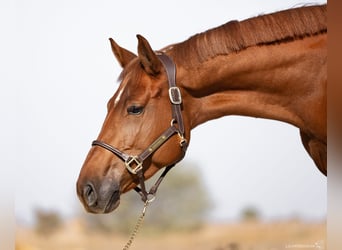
[(134, 163)]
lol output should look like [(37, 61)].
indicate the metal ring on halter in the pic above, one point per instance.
[(150, 198), (183, 141), (173, 122)]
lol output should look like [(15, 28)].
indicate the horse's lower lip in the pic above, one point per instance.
[(113, 203)]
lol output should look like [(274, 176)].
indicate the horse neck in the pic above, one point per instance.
[(261, 81)]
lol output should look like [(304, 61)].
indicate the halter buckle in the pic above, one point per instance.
[(133, 160), (175, 95)]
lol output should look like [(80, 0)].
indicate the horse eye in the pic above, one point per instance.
[(135, 110)]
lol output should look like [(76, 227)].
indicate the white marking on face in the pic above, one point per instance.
[(117, 99)]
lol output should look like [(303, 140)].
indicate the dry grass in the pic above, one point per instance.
[(243, 236)]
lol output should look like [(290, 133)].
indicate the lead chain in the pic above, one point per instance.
[(137, 227)]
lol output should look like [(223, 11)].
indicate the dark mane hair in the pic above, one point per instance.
[(267, 29)]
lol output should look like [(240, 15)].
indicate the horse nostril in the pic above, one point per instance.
[(89, 195)]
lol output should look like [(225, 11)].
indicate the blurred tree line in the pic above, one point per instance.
[(250, 214), (47, 222), (182, 203)]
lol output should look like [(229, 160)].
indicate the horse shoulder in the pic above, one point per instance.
[(317, 149)]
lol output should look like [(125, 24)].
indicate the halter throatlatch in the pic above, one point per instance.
[(134, 163)]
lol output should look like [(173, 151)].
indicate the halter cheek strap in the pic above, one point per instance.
[(134, 163)]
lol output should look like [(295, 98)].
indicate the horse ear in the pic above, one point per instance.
[(122, 55), (148, 58)]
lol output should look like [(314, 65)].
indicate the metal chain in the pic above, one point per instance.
[(137, 227)]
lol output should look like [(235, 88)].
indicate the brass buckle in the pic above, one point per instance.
[(133, 159)]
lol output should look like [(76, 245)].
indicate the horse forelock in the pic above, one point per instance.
[(234, 36)]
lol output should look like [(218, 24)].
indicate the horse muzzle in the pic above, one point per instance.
[(99, 197)]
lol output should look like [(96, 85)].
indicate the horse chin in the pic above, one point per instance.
[(129, 187)]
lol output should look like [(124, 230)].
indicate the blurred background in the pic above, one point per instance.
[(255, 177)]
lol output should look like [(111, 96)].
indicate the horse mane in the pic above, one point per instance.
[(234, 36)]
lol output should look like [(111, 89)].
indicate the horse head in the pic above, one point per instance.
[(137, 115)]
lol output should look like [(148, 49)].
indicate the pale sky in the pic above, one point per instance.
[(67, 73)]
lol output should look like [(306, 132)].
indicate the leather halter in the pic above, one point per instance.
[(134, 163)]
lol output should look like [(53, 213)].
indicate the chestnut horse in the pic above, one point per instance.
[(272, 66)]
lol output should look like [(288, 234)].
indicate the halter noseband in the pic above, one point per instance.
[(134, 163)]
